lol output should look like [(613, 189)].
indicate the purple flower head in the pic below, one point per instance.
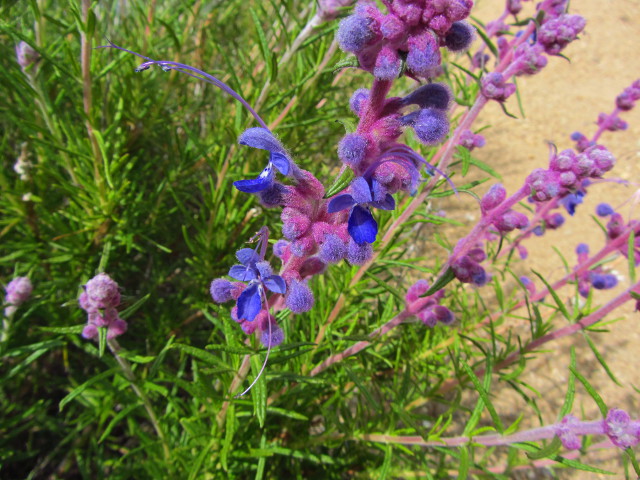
[(263, 139), (18, 291), (557, 33), (260, 276), (392, 28), (630, 95), (26, 55), (603, 281), (468, 270), (470, 140), (99, 299), (220, 290), (566, 434), (355, 32), (352, 149), (511, 220), (271, 335), (362, 227), (332, 249), (531, 59), (431, 95), (612, 123), (514, 6), (604, 210), (582, 142), (459, 37), (494, 197), (620, 429), (299, 298)]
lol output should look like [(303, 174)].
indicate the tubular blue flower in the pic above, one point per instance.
[(260, 276), (362, 227), (263, 139)]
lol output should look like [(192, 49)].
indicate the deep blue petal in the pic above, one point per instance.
[(362, 226), (264, 180), (341, 202), (276, 284), (247, 256), (261, 138), (242, 273), (387, 204), (249, 303), (281, 162)]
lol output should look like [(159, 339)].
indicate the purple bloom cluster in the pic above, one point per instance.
[(467, 268), (412, 31), (556, 33), (428, 309), (596, 278), (18, 291), (507, 221), (495, 87), (616, 226), (99, 299), (567, 171), (628, 98), (470, 140)]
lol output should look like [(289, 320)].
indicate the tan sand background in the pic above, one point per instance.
[(563, 98)]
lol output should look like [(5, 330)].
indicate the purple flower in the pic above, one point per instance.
[(459, 37), (621, 430), (260, 276), (263, 139), (362, 227), (99, 299), (18, 291), (604, 210)]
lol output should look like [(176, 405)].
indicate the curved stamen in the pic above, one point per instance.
[(192, 72)]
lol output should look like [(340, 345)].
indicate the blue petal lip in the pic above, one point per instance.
[(276, 284), (281, 162), (362, 227), (249, 303), (242, 273), (264, 180), (341, 202), (258, 137), (387, 204)]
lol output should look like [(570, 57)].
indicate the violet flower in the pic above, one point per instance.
[(362, 227), (263, 139)]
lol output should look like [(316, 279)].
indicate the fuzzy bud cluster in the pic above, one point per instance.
[(596, 278), (568, 171), (470, 140), (17, 291), (506, 221), (617, 425), (100, 299), (582, 142), (428, 309), (612, 123), (616, 226), (555, 34), (26, 56), (629, 96), (412, 33), (467, 268), (495, 87)]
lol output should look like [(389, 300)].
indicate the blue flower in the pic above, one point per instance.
[(571, 201), (362, 227), (262, 138), (260, 276)]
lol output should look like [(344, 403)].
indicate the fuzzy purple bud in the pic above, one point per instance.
[(299, 297), (511, 220), (604, 210), (415, 290), (432, 95), (603, 281), (620, 429), (220, 290), (557, 33), (424, 54), (357, 100), (353, 149), (494, 87), (431, 126), (18, 291), (354, 33), (459, 37), (494, 197), (26, 55), (388, 64), (333, 249), (392, 28)]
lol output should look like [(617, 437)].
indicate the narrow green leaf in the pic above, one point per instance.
[(561, 306), (81, 388), (127, 312), (632, 458), (229, 432), (485, 168), (487, 41), (482, 391), (102, 340), (340, 183), (591, 391), (76, 329), (264, 45), (386, 463), (386, 285), (198, 353), (116, 419), (348, 61), (259, 391), (631, 257), (571, 388), (464, 460), (601, 360), (363, 389), (551, 449), (446, 278)]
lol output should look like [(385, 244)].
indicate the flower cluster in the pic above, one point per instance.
[(18, 291), (470, 140), (100, 297), (596, 278), (467, 268), (427, 308), (618, 426), (616, 226), (410, 34), (506, 221)]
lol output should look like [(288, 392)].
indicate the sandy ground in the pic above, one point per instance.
[(561, 99)]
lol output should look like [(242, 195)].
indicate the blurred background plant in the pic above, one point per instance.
[(106, 170)]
